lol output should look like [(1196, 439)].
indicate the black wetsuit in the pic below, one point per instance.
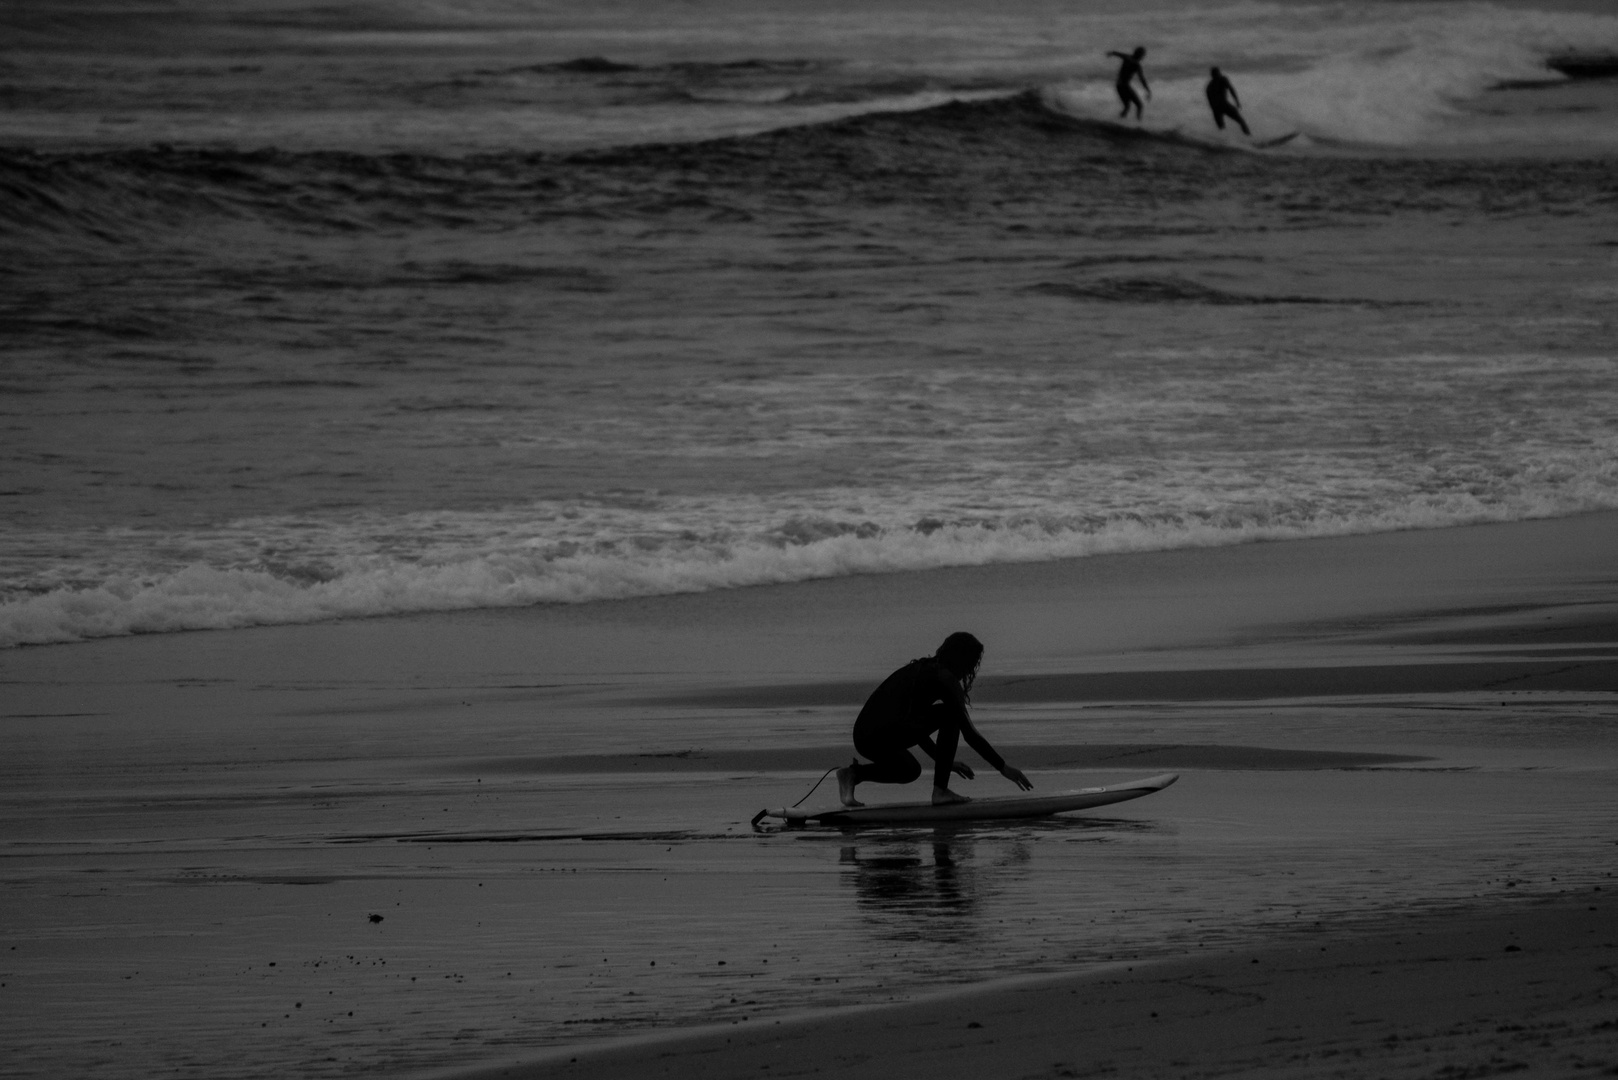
[(1219, 94), (1129, 69), (919, 699)]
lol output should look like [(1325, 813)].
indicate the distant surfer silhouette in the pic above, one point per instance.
[(1223, 101), (1128, 71), (924, 697)]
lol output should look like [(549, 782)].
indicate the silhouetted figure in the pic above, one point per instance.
[(1128, 71), (925, 696), (1223, 101)]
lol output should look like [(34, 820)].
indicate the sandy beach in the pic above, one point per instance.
[(508, 840), (1477, 991)]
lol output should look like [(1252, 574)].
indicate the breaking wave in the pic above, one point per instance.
[(505, 560)]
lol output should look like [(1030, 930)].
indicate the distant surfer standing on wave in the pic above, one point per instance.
[(925, 696), (1128, 71), (1223, 101)]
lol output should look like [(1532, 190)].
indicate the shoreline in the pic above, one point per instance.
[(1492, 986), (1315, 602), (1504, 617)]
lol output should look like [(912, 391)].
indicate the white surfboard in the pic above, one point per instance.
[(986, 809)]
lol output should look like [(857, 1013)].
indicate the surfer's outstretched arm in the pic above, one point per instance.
[(974, 738)]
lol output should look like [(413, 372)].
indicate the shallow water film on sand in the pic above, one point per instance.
[(462, 460)]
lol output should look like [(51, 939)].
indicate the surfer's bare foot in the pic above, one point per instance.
[(845, 786), (943, 796)]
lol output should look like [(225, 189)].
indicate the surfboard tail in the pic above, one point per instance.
[(789, 815)]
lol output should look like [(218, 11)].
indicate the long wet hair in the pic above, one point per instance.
[(962, 652)]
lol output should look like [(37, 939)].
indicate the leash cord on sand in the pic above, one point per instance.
[(822, 780)]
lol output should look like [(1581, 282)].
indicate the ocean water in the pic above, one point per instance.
[(364, 309)]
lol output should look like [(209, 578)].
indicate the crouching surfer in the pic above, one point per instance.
[(922, 704)]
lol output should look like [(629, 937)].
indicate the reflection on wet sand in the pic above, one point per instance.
[(937, 884), (933, 886)]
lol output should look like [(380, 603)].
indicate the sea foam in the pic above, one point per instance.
[(505, 573), (1404, 79)]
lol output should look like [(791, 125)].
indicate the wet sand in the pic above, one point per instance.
[(1482, 990), (410, 846)]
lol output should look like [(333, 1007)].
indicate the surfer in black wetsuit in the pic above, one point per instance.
[(923, 697), (1128, 71), (1223, 101)]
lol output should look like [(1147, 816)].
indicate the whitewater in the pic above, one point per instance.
[(419, 307)]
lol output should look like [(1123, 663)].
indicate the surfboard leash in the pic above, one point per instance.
[(758, 817), (822, 780)]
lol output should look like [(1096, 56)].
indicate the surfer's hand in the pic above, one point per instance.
[(1016, 777), (962, 769)]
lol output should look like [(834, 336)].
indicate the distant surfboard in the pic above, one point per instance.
[(1278, 141), (1203, 140), (990, 809)]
